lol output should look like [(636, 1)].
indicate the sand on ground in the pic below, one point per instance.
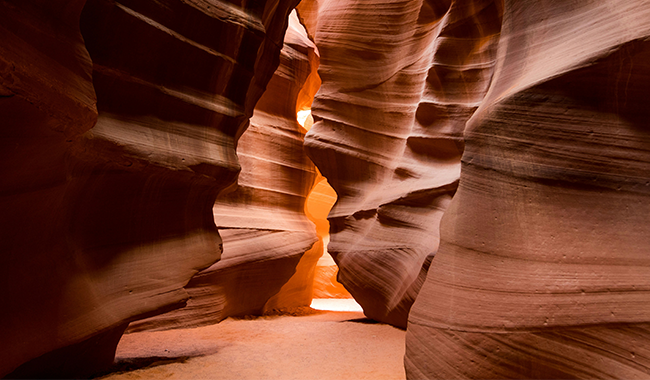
[(319, 345)]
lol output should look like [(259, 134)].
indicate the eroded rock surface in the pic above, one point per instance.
[(46, 99), (107, 201), (262, 223), (399, 82), (543, 268)]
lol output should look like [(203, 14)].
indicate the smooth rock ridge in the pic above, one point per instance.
[(543, 268)]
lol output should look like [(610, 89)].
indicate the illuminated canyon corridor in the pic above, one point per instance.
[(331, 340), (325, 189), (274, 322)]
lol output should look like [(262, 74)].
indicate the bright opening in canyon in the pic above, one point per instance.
[(328, 293)]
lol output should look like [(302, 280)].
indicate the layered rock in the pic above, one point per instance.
[(543, 268), (399, 82), (105, 223), (262, 223)]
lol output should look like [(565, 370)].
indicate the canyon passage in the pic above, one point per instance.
[(182, 178)]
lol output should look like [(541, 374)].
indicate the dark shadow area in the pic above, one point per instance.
[(133, 364), (365, 321), (299, 311), (77, 361)]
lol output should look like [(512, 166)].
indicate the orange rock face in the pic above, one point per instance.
[(543, 267), (117, 138), (399, 82), (319, 204)]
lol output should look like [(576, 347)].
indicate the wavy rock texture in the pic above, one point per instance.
[(399, 81), (106, 225), (543, 269), (264, 228)]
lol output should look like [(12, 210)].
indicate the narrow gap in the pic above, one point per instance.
[(331, 343), (328, 293)]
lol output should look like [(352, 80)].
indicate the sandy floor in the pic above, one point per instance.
[(324, 345)]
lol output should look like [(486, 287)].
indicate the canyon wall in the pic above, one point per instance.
[(262, 222), (399, 82), (543, 268), (115, 146), (541, 271), (121, 121)]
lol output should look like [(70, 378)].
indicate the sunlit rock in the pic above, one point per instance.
[(319, 203)]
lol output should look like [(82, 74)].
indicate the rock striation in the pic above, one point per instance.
[(117, 138), (123, 119), (262, 222), (399, 82), (543, 267)]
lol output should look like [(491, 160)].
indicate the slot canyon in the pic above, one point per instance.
[(183, 181)]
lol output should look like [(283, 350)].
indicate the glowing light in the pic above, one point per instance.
[(335, 304), (302, 117)]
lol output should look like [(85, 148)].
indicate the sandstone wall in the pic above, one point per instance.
[(399, 81), (111, 167), (262, 223), (543, 268)]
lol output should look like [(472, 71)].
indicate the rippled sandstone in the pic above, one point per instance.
[(117, 139), (112, 166), (399, 82), (262, 222), (543, 268)]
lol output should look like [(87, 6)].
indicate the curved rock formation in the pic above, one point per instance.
[(106, 225), (543, 269), (262, 223), (399, 82), (46, 100)]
